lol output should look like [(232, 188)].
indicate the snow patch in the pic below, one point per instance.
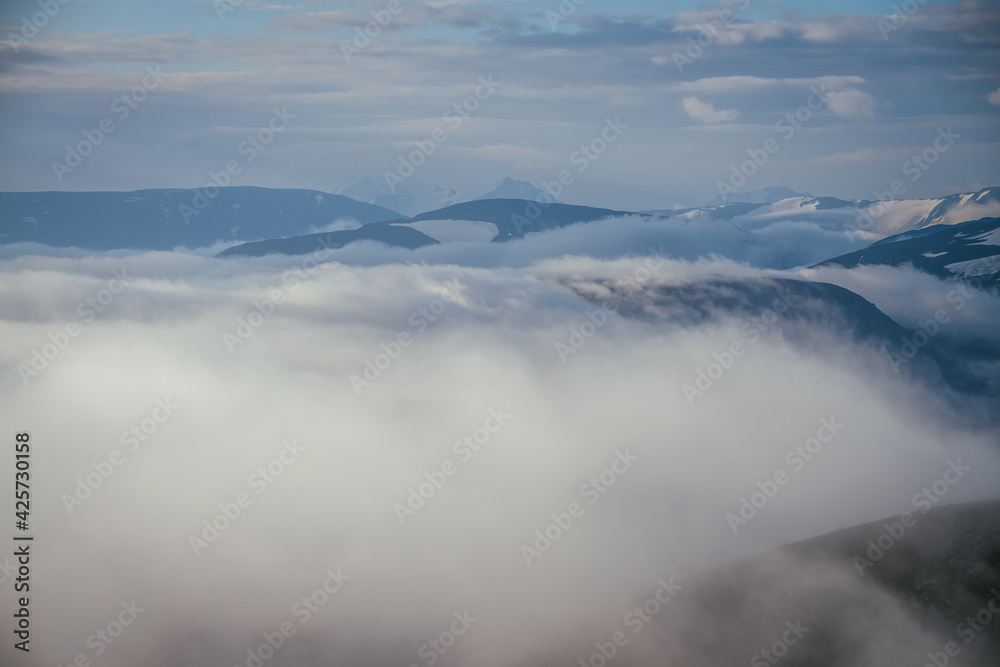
[(989, 238), (895, 216), (983, 266), (971, 212), (933, 254)]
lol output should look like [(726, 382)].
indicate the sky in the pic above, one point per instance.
[(691, 115)]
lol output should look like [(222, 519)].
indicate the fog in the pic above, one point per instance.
[(781, 245), (477, 339)]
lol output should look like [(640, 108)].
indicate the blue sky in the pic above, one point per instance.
[(887, 90)]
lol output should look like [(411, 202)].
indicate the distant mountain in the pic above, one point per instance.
[(516, 217), (508, 188), (965, 250), (412, 198), (166, 219), (964, 207), (830, 314), (391, 234), (695, 304), (879, 218), (765, 196), (487, 220)]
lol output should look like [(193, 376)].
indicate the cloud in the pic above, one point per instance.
[(782, 244), (994, 97), (754, 84), (823, 32), (490, 345), (558, 85), (452, 14), (704, 112), (851, 103)]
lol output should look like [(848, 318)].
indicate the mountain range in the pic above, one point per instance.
[(968, 250), (167, 219), (951, 237), (412, 198)]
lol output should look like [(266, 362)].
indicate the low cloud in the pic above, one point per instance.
[(480, 339)]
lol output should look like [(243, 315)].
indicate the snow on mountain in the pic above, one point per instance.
[(412, 198), (878, 219), (987, 238), (508, 188), (964, 250)]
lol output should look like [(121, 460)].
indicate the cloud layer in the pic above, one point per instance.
[(481, 365)]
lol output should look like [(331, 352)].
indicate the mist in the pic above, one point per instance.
[(502, 392)]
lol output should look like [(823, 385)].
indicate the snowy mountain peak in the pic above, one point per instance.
[(508, 188)]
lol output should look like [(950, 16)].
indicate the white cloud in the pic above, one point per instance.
[(704, 112), (994, 97), (820, 31), (162, 337), (747, 84), (852, 103)]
